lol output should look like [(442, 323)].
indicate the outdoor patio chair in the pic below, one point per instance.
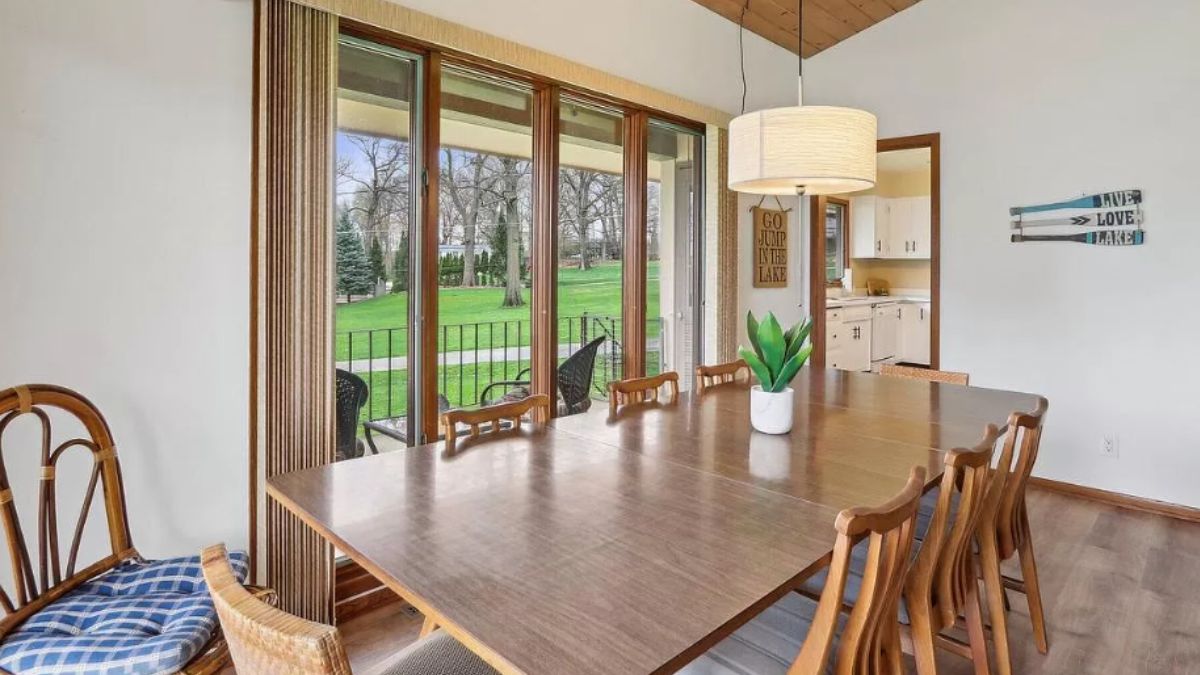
[(574, 382), (351, 396), (120, 613)]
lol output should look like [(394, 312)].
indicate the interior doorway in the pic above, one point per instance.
[(875, 291)]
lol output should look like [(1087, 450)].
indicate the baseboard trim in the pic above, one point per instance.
[(1118, 499)]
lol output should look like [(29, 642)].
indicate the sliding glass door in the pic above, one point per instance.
[(673, 251), (485, 158), (376, 225), (591, 244)]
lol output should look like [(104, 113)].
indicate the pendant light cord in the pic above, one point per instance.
[(800, 35), (742, 51)]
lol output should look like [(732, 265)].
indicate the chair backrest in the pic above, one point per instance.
[(870, 641), (265, 640), (927, 374), (641, 389), (945, 568), (38, 581), (575, 374), (493, 415), (351, 395), (1012, 522), (721, 373)]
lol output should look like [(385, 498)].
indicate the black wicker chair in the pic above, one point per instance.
[(351, 396), (574, 381)]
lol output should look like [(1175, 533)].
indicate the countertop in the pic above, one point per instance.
[(858, 300)]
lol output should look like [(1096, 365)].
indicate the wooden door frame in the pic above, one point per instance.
[(816, 262)]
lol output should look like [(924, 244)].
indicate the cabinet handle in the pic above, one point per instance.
[(897, 312), (878, 245), (922, 313)]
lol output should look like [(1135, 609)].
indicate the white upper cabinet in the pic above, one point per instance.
[(890, 227)]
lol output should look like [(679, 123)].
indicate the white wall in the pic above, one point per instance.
[(124, 242), (790, 303), (1038, 101), (124, 201)]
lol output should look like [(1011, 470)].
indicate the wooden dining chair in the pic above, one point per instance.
[(944, 582), (927, 374), (264, 640), (641, 389), (721, 373), (494, 416), (797, 635), (1007, 533)]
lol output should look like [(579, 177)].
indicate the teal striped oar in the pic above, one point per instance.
[(1100, 238), (1102, 200)]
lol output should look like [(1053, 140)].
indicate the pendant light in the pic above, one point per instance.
[(802, 150)]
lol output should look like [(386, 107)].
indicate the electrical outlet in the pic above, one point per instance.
[(1109, 447)]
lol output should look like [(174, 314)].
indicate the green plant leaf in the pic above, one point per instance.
[(760, 370), (791, 368), (752, 332), (770, 338), (800, 334)]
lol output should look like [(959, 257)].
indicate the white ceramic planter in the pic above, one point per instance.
[(771, 412)]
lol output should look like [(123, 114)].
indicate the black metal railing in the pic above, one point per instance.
[(473, 355)]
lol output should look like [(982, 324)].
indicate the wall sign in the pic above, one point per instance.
[(770, 248), (1109, 219)]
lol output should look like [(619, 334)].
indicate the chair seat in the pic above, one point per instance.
[(437, 654), (140, 617), (767, 645), (854, 580)]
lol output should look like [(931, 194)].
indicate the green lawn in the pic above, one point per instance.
[(596, 292)]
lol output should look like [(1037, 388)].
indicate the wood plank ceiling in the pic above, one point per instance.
[(826, 22)]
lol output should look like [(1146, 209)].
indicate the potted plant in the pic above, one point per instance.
[(776, 358)]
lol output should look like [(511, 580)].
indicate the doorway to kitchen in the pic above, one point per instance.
[(874, 270)]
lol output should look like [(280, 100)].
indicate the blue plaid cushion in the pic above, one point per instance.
[(140, 618)]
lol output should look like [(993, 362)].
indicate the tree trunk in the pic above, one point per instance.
[(512, 267)]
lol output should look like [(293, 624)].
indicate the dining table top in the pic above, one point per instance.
[(631, 543)]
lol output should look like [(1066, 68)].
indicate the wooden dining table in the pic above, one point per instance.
[(631, 543)]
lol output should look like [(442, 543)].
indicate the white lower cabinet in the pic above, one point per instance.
[(914, 333), (857, 335), (848, 338)]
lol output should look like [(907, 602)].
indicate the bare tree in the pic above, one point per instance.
[(377, 188), (509, 213), (466, 182)]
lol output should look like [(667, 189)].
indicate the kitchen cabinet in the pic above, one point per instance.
[(890, 227), (868, 227), (914, 333), (885, 331), (848, 338)]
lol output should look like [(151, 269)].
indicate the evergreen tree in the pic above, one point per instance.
[(375, 255), (400, 266), (353, 268)]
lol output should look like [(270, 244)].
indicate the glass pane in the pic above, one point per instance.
[(591, 225), (484, 239), (674, 176), (835, 241), (374, 215)]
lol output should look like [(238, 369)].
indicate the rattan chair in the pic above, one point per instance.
[(926, 374), (43, 575), (801, 632), (642, 389), (721, 373), (350, 397), (264, 640)]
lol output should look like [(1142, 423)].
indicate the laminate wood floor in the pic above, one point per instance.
[(1122, 596)]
